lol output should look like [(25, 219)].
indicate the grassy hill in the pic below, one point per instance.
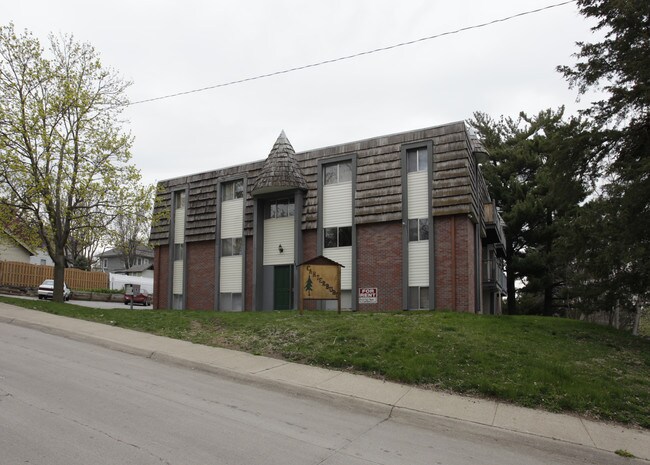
[(549, 363)]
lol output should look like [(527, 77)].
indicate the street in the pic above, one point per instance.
[(68, 402)]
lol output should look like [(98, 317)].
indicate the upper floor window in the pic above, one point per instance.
[(416, 159), (233, 190), (281, 208), (179, 200), (419, 229), (338, 237), (337, 173)]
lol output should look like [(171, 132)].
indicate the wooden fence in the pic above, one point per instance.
[(28, 275)]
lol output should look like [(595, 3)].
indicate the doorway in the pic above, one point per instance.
[(283, 287)]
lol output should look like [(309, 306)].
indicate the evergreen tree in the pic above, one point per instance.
[(620, 65), (535, 176)]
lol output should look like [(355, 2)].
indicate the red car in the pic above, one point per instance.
[(141, 298)]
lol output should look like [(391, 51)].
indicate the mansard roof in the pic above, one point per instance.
[(458, 186), (281, 171)]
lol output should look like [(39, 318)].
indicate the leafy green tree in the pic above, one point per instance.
[(619, 65), (536, 182), (64, 158)]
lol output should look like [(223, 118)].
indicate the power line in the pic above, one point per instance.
[(355, 55)]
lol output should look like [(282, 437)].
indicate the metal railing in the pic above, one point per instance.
[(493, 274)]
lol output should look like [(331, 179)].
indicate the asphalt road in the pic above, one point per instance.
[(67, 402)]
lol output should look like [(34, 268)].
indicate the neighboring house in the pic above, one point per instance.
[(12, 249), (111, 260), (41, 257), (408, 215), (144, 271)]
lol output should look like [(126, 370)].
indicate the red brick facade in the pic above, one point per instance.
[(200, 275), (379, 264), (455, 268), (161, 277)]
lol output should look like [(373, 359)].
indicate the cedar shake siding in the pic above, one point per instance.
[(289, 183)]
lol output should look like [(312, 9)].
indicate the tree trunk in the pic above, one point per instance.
[(510, 280), (59, 274), (548, 301), (637, 318)]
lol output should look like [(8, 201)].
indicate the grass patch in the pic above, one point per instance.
[(549, 363)]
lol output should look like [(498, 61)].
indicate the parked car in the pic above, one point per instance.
[(46, 290), (141, 298)]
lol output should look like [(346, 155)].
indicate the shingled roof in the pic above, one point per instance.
[(281, 170), (457, 187)]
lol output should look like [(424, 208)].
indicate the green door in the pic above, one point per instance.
[(282, 287)]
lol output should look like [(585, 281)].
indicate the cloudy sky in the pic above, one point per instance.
[(165, 47)]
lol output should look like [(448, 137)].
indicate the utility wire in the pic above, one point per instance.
[(356, 55)]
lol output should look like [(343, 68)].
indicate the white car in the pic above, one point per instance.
[(46, 290)]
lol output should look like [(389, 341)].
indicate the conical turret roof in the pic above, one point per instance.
[(281, 171)]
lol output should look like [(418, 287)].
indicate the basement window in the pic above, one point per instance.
[(419, 298)]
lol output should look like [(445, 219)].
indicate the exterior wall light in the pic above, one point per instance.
[(280, 249)]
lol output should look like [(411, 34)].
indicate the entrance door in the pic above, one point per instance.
[(282, 287)]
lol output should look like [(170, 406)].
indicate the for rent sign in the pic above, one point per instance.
[(367, 295)]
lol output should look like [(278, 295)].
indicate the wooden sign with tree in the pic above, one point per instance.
[(320, 279)]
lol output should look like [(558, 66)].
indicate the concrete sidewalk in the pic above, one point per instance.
[(397, 400)]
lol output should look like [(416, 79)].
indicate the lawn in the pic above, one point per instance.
[(550, 363)]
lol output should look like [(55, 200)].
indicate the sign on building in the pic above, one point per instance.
[(367, 295)]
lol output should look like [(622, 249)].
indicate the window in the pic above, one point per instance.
[(230, 301), (105, 263), (179, 200), (419, 230), (338, 237), (416, 160), (179, 252), (337, 173), (231, 246), (281, 208), (419, 298), (233, 190)]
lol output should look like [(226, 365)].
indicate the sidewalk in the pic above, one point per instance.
[(395, 399)]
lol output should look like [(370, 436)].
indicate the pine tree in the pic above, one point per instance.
[(620, 65), (309, 285)]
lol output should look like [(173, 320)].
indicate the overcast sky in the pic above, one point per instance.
[(166, 46)]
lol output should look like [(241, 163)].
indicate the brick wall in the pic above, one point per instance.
[(248, 297), (379, 263), (379, 253), (454, 263), (161, 276), (200, 279)]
